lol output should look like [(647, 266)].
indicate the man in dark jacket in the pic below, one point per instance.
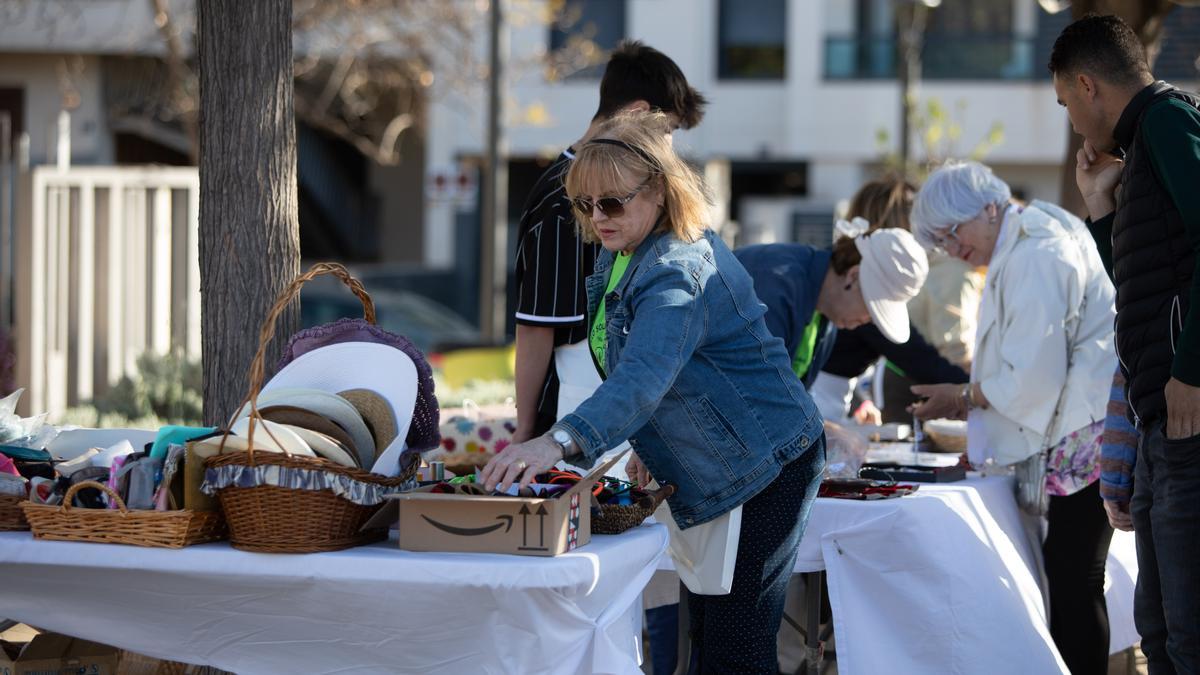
[(1138, 172)]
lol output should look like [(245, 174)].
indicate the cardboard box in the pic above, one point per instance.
[(470, 524), (54, 654), (9, 653)]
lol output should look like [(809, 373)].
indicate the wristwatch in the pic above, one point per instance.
[(565, 443)]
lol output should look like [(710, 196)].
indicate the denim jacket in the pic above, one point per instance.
[(697, 384)]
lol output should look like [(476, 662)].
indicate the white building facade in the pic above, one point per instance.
[(800, 92)]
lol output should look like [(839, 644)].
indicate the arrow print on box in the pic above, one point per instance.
[(541, 513)]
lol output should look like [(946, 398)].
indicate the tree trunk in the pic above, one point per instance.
[(249, 236), (1145, 17)]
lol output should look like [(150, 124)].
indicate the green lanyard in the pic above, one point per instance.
[(598, 338), (808, 344)]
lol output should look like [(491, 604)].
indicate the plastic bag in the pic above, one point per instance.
[(845, 451), (23, 432)]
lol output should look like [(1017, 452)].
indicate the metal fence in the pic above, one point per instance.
[(107, 268)]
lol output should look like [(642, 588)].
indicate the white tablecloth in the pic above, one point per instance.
[(371, 609), (944, 581)]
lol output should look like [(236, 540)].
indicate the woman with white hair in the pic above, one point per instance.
[(1039, 385)]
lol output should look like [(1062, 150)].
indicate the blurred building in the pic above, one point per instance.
[(804, 100), (99, 201), (804, 108), (105, 63)]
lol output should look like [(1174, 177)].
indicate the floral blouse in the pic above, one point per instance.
[(1074, 463)]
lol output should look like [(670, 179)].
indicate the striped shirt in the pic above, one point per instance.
[(552, 265), (552, 261)]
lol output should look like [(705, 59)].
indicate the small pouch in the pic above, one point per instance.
[(169, 494), (143, 478)]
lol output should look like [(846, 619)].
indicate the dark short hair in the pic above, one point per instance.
[(636, 72), (1104, 47)]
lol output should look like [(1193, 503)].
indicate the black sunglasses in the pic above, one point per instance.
[(611, 207)]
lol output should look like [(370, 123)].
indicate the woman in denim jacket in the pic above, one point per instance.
[(693, 379)]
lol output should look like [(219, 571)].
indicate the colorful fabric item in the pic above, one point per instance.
[(468, 443), (597, 338), (176, 435), (802, 359), (1074, 463), (1118, 447), (423, 432)]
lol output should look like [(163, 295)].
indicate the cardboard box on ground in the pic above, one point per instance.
[(53, 653), (57, 654), (535, 526)]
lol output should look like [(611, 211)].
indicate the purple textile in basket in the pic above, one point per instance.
[(423, 432)]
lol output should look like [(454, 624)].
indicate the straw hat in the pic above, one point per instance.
[(307, 419), (377, 413), (324, 446), (382, 369), (273, 437), (326, 404)]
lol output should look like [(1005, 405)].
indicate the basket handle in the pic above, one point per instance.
[(83, 484), (267, 333)]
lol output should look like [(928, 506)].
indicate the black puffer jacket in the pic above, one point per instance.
[(1152, 265)]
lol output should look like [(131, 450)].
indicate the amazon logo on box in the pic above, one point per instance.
[(477, 524)]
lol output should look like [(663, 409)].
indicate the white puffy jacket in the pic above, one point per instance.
[(1045, 286)]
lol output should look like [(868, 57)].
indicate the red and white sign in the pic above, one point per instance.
[(455, 186)]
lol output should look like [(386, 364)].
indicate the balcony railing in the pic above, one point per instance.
[(965, 57)]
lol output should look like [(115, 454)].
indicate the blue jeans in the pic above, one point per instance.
[(735, 633), (662, 625), (1166, 520)]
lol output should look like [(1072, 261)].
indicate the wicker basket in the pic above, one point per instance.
[(11, 516), (614, 519), (271, 519), (164, 529)]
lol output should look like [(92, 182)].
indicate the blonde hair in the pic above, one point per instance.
[(885, 202), (603, 168)]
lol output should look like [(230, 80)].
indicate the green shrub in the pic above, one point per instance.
[(167, 387)]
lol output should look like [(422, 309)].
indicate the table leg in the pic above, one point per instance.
[(684, 643), (812, 639)]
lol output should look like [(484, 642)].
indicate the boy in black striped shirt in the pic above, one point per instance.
[(553, 361)]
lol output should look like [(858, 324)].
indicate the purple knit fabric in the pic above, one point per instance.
[(423, 432)]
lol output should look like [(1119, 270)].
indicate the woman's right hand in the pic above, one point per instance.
[(637, 472), (939, 401)]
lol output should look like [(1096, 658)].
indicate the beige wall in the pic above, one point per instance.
[(41, 76)]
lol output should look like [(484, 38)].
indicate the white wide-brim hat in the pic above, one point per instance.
[(273, 437), (326, 404), (891, 273), (324, 446), (382, 369)]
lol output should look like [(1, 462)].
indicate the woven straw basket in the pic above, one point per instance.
[(272, 519), (163, 529), (11, 516), (614, 519)]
